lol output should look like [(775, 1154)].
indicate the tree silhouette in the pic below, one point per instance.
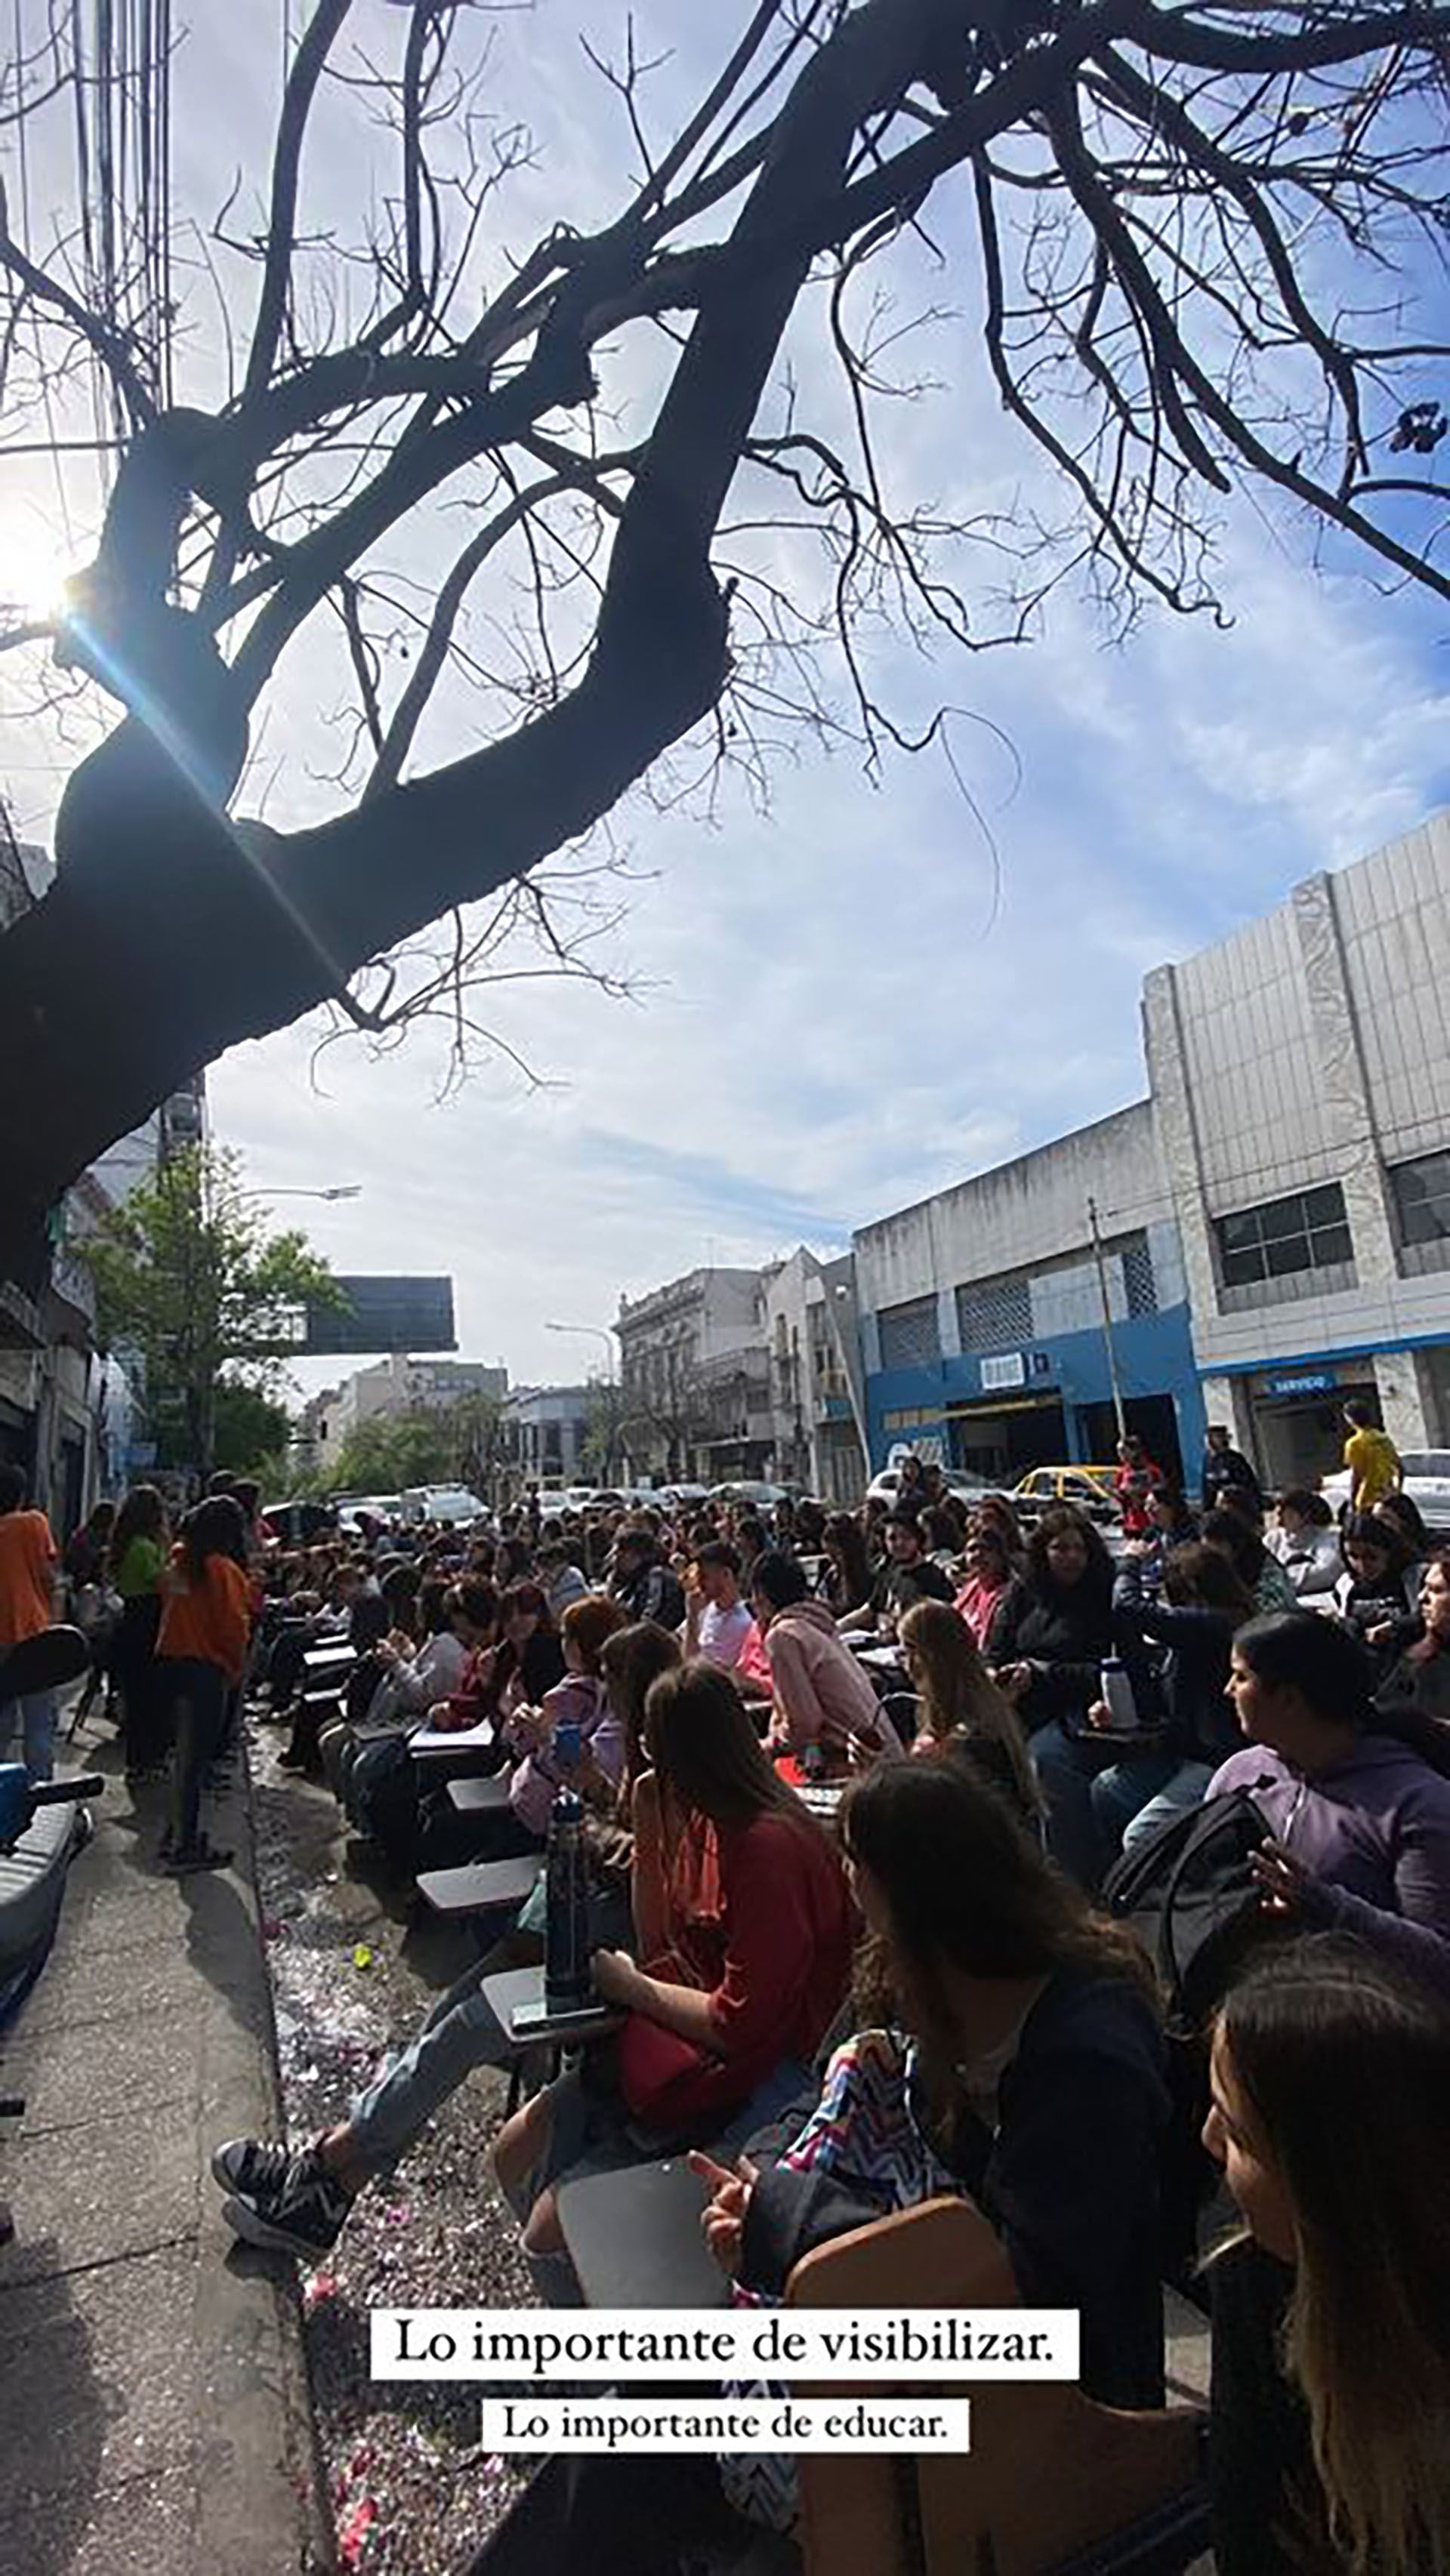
[(1202, 243)]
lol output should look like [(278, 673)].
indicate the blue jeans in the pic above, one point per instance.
[(1093, 1791), (199, 1698), (459, 2034), (1184, 1790), (33, 1720)]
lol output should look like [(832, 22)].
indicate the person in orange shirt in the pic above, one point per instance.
[(27, 1605), (202, 1653)]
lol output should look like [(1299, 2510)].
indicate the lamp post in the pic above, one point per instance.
[(597, 1333), (339, 1190)]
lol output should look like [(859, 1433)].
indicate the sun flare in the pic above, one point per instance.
[(33, 566)]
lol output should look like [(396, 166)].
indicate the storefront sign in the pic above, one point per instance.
[(1006, 1371), (1317, 1382)]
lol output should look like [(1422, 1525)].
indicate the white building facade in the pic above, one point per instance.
[(820, 1444), (1301, 1071), (694, 1378)]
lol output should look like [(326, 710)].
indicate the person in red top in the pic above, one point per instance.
[(1135, 1477), (733, 1999), (206, 1628), (27, 1605)]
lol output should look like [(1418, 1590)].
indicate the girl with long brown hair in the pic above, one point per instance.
[(1331, 2347), (744, 1923), (961, 1709)]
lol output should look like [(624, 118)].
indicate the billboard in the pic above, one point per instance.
[(381, 1315)]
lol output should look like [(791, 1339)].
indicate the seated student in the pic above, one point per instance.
[(1420, 1675), (526, 1661), (1169, 1525), (717, 1621), (961, 1710), (580, 1701), (988, 1569), (1177, 1649), (1228, 1531), (1378, 1591), (1330, 2408), (908, 1576), (822, 1695), (1305, 1542), (1361, 1821), (846, 1575), (1017, 2059), (745, 1927), (451, 1618), (1405, 1517), (560, 1577), (642, 1580), (1054, 1624), (942, 1536), (298, 2201)]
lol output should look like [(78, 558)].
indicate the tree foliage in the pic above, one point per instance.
[(190, 1277), (429, 1445), (250, 1432), (1201, 247)]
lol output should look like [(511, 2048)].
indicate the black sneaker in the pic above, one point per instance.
[(256, 2167), (306, 2217)]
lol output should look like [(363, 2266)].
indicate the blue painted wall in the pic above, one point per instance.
[(1154, 1355)]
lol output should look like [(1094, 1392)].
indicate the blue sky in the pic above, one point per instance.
[(852, 999)]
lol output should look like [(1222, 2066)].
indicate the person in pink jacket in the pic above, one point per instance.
[(822, 1695)]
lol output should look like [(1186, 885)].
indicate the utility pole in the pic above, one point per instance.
[(1107, 1321)]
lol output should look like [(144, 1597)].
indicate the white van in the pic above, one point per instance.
[(441, 1503)]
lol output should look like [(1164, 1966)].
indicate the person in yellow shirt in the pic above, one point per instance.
[(1372, 1459)]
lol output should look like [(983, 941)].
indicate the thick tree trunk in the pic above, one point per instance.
[(171, 937)]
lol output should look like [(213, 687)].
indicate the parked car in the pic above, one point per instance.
[(1426, 1481), (351, 1508), (1091, 1488), (440, 1503)]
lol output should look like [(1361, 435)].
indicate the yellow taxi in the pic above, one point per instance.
[(1091, 1488)]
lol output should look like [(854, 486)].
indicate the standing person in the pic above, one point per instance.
[(205, 1632), (138, 1571), (1372, 1460), (717, 1621), (1329, 2445), (89, 1605), (1225, 1469), (1136, 1473), (27, 1606)]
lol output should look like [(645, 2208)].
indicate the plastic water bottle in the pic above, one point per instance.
[(566, 1928), (1117, 1690)]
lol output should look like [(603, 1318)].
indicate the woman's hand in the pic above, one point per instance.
[(723, 2218), (617, 1978), (1279, 1877), (1016, 1680), (1100, 1714)]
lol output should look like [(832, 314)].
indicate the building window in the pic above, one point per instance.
[(909, 1335), (1139, 1285), (1285, 1237), (1422, 1198), (992, 1314)]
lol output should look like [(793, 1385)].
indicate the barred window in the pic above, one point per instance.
[(1139, 1285), (909, 1334), (995, 1314), (1422, 1198)]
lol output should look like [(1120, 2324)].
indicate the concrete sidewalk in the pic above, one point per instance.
[(152, 2386)]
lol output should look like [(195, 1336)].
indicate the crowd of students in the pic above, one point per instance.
[(931, 1992)]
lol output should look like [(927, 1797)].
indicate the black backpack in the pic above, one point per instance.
[(1190, 1896)]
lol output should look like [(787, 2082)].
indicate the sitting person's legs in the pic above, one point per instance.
[(1122, 1791), (1066, 1767), (1185, 1789)]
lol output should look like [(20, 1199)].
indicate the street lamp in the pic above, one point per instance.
[(339, 1190)]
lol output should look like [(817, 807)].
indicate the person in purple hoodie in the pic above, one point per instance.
[(1360, 1819)]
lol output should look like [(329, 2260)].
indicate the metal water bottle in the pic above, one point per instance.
[(1117, 1690), (566, 1929)]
